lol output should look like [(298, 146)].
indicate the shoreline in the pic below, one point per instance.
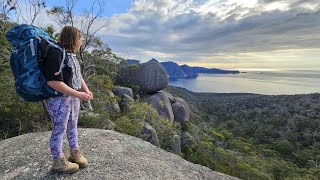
[(236, 94)]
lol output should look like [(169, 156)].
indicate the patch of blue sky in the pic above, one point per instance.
[(110, 7)]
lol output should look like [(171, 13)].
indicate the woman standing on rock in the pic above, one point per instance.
[(64, 109)]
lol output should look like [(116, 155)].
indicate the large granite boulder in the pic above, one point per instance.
[(168, 95), (161, 103), (149, 134), (112, 156), (181, 110), (150, 77)]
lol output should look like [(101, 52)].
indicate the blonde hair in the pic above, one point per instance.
[(69, 38)]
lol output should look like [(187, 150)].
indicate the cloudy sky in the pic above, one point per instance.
[(229, 34)]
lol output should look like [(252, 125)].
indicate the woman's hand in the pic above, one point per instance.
[(90, 93), (65, 89), (85, 88), (84, 96)]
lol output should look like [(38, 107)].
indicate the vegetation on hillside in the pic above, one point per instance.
[(255, 136)]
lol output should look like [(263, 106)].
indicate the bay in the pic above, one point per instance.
[(257, 82)]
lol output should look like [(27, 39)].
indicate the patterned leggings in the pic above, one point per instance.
[(63, 121)]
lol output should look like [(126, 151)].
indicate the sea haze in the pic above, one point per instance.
[(258, 82)]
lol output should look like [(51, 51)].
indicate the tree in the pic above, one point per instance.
[(64, 15), (6, 8), (28, 11)]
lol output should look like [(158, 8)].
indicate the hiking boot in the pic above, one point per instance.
[(76, 157), (62, 165)]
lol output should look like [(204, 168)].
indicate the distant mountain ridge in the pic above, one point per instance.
[(213, 70), (176, 71), (133, 61), (173, 70)]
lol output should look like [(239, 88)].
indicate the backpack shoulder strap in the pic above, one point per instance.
[(56, 46), (63, 59)]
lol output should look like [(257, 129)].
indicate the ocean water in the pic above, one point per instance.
[(258, 82)]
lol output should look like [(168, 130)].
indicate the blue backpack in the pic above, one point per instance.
[(30, 46)]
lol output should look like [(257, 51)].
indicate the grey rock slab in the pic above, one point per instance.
[(112, 156)]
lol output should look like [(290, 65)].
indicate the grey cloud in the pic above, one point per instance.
[(294, 4), (271, 1), (183, 21), (195, 34), (300, 3)]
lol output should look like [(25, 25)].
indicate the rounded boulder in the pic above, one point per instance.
[(181, 110), (150, 77), (161, 103)]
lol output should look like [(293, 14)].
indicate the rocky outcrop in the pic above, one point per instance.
[(150, 77), (187, 140), (161, 103), (149, 134), (121, 91), (112, 156), (126, 96), (125, 103), (165, 104), (111, 104), (181, 110), (170, 97)]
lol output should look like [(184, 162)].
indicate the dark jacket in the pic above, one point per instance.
[(71, 72)]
